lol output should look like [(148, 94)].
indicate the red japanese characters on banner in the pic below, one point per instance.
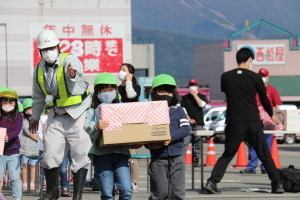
[(268, 54), (97, 55)]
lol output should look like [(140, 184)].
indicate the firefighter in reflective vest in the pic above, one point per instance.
[(58, 80)]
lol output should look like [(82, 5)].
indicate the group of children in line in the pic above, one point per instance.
[(166, 169), (20, 145)]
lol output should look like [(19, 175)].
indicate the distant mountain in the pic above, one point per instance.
[(176, 26), (213, 19), (174, 53)]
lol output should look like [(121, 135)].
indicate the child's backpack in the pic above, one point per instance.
[(290, 179)]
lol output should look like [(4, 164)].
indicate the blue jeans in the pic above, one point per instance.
[(252, 156), (113, 169), (12, 164), (25, 161), (63, 172)]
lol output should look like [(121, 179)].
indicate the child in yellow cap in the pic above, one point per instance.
[(12, 121)]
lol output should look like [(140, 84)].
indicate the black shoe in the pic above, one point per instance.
[(52, 180), (211, 188), (196, 162), (78, 183), (246, 171), (277, 188), (264, 171)]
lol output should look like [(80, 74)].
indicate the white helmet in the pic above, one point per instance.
[(47, 38)]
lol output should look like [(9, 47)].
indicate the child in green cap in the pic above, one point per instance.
[(110, 163)]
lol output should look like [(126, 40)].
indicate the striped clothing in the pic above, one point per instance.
[(179, 128)]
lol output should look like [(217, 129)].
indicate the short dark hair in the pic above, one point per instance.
[(243, 55), (96, 101), (25, 115), (169, 89)]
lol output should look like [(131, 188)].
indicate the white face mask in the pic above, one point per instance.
[(250, 64), (8, 108), (29, 112), (193, 88), (122, 75), (264, 79), (107, 97), (50, 56)]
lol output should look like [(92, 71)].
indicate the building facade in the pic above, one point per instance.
[(98, 32)]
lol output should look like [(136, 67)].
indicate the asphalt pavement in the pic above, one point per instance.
[(233, 185)]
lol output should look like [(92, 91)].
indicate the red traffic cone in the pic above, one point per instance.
[(188, 155), (211, 158), (241, 159), (275, 154)]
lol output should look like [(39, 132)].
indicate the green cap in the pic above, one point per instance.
[(20, 106), (163, 79), (105, 78), (27, 103), (7, 92), (2, 88)]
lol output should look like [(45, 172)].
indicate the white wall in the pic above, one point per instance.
[(19, 14), (143, 57)]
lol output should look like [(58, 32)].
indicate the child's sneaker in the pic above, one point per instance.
[(135, 187), (2, 197), (32, 186), (24, 186)]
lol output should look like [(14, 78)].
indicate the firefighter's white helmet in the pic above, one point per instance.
[(47, 38)]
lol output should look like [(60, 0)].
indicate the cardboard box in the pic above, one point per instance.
[(289, 118), (135, 123), (135, 134)]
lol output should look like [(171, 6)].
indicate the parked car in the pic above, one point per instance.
[(211, 114), (218, 126), (287, 138)]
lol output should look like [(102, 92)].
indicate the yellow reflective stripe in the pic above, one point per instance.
[(63, 102), (60, 78), (41, 79)]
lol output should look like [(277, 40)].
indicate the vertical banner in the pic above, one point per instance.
[(267, 54), (100, 47)]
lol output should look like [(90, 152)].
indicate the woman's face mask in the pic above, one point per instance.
[(107, 97), (50, 55), (122, 75)]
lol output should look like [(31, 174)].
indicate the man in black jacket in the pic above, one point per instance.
[(242, 118), (194, 102)]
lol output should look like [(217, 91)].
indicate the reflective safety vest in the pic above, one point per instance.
[(65, 98)]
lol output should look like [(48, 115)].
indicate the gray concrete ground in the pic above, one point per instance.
[(233, 186)]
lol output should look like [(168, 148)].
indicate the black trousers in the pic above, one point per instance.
[(251, 132)]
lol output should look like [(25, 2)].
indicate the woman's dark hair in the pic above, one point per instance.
[(26, 116), (243, 55), (169, 89), (14, 113), (131, 70), (96, 101)]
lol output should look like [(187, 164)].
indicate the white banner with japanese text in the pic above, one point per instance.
[(99, 46), (267, 54)]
